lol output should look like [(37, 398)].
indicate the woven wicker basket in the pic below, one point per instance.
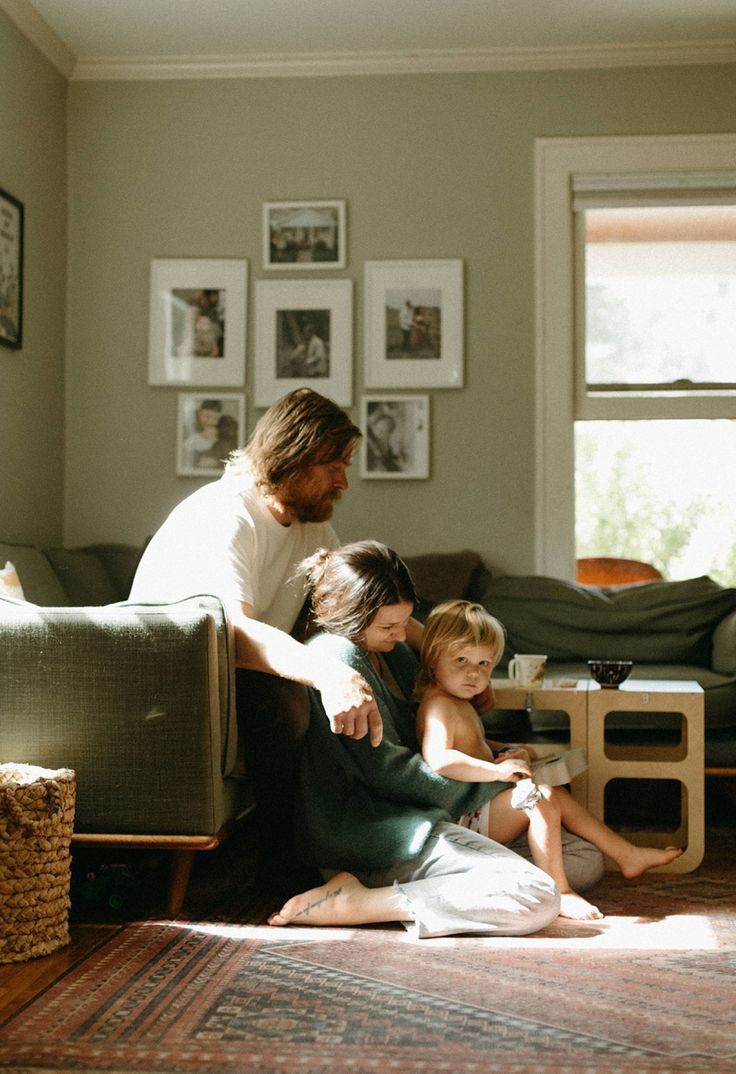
[(36, 823)]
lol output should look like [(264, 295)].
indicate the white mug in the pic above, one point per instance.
[(527, 669)]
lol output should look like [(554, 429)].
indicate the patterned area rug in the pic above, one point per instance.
[(650, 988)]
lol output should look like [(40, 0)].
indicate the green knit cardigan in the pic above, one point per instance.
[(362, 807)]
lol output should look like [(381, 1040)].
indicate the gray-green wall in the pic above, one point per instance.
[(33, 169), (430, 167)]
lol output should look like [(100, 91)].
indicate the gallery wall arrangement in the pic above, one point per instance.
[(413, 339)]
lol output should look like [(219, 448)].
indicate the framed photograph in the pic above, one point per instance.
[(197, 322), (395, 440), (304, 235), (11, 271), (304, 338), (210, 425), (414, 324)]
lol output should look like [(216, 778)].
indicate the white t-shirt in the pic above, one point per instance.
[(223, 540)]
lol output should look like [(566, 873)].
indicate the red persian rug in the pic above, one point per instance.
[(651, 988)]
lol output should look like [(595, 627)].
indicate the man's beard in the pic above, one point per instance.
[(298, 499)]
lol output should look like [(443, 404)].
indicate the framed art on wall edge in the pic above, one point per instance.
[(11, 271), (197, 322), (414, 324), (395, 442), (209, 426), (304, 338)]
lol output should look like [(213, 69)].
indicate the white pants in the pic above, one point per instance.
[(463, 882)]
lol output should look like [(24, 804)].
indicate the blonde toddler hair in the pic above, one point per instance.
[(452, 626)]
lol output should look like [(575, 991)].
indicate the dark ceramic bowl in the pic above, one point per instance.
[(610, 673)]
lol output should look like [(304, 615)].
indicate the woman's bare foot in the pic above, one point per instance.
[(639, 859), (343, 900), (579, 909)]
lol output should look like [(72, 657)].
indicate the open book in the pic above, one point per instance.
[(553, 771)]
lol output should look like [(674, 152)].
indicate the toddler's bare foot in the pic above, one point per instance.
[(639, 859), (579, 909), (330, 904)]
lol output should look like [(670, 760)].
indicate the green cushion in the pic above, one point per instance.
[(724, 646), (83, 576), (659, 622), (40, 584)]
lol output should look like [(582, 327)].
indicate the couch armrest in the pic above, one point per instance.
[(724, 646), (131, 697)]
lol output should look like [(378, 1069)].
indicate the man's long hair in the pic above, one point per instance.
[(302, 429)]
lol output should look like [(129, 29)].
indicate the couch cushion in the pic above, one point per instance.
[(654, 623), (120, 561), (40, 584), (439, 576), (83, 576), (724, 646)]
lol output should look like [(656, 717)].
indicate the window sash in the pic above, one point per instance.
[(683, 396)]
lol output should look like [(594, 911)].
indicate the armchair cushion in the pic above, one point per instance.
[(130, 696)]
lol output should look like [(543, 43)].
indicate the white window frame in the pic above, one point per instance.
[(558, 161)]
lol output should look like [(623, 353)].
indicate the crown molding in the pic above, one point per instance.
[(325, 64), (440, 61), (40, 34)]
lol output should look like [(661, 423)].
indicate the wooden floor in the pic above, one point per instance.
[(21, 981)]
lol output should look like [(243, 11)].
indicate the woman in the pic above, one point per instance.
[(380, 811)]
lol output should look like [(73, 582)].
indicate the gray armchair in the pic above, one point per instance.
[(139, 700)]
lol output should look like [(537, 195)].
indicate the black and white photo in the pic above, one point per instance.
[(210, 426), (304, 339), (395, 436), (197, 322), (301, 235), (414, 324)]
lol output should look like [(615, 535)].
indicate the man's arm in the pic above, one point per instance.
[(346, 697)]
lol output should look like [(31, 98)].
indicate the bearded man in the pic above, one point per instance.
[(242, 539)]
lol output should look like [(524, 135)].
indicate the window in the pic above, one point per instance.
[(636, 271), (660, 298)]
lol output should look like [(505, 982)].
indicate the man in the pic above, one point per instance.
[(241, 538)]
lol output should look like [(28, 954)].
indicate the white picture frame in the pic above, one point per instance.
[(395, 443), (197, 325), (399, 354), (289, 354), (209, 425), (304, 235)]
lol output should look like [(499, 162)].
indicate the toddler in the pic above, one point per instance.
[(462, 644)]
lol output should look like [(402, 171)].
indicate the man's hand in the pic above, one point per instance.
[(350, 706)]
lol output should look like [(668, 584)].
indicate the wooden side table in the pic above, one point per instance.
[(684, 761), (571, 700)]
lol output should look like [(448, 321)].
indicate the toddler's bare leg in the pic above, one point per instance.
[(545, 842), (631, 860)]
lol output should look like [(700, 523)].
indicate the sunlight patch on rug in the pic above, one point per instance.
[(677, 932)]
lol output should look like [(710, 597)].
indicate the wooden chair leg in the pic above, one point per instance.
[(181, 869)]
